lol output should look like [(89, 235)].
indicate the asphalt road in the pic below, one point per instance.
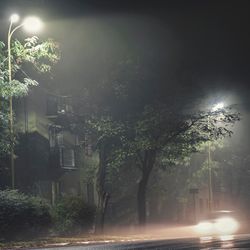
[(232, 242)]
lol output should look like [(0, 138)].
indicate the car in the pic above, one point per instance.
[(218, 223)]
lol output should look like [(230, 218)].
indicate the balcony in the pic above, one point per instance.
[(58, 105), (63, 158)]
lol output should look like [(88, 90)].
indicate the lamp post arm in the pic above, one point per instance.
[(9, 51), (10, 33), (16, 28)]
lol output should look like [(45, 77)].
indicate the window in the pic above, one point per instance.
[(52, 137), (55, 136), (58, 105), (67, 158), (59, 138), (52, 105)]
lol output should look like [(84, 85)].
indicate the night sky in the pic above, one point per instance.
[(202, 44)]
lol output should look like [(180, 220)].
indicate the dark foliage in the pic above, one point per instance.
[(22, 216), (72, 215)]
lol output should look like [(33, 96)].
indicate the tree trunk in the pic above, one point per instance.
[(103, 195), (147, 166), (102, 207)]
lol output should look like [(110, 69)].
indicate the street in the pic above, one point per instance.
[(228, 242)]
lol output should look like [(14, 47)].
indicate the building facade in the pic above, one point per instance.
[(52, 159)]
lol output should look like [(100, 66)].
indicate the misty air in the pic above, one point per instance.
[(124, 124)]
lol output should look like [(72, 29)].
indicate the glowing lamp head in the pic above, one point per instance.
[(32, 24), (218, 106), (14, 18)]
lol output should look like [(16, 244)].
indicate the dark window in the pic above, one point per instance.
[(59, 138), (52, 104), (55, 136), (58, 105), (52, 137), (67, 158)]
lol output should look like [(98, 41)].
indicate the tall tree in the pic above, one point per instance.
[(26, 57), (162, 130), (141, 121)]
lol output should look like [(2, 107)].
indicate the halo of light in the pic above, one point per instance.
[(32, 24), (226, 225), (14, 18), (204, 228)]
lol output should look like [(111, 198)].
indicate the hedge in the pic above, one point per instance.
[(22, 216), (71, 215)]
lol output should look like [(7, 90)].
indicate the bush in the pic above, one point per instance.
[(72, 215), (22, 216)]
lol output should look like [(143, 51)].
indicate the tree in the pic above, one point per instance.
[(26, 57), (130, 123), (161, 129)]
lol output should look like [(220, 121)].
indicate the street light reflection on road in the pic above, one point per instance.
[(225, 240)]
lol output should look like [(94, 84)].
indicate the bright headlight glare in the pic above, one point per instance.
[(204, 227), (226, 225)]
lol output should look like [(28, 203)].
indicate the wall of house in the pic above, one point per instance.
[(50, 168)]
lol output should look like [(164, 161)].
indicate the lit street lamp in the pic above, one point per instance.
[(215, 108), (30, 24)]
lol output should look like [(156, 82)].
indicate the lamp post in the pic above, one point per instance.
[(215, 108), (31, 24)]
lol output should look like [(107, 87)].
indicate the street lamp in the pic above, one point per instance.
[(215, 108), (31, 24)]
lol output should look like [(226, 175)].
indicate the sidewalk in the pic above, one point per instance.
[(124, 235)]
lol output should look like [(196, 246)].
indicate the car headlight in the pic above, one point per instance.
[(226, 225), (204, 227)]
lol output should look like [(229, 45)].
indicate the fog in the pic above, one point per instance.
[(116, 62)]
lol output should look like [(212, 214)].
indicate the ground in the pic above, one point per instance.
[(123, 236)]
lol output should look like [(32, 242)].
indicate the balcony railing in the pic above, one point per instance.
[(59, 105)]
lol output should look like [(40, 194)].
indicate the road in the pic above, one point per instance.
[(232, 242)]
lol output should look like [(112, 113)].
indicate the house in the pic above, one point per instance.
[(52, 158)]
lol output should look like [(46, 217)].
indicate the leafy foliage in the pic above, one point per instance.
[(31, 53), (137, 123), (5, 140), (41, 55), (172, 133), (72, 215), (21, 215), (160, 134)]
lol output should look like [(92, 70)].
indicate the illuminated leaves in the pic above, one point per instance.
[(26, 55), (42, 56), (16, 88)]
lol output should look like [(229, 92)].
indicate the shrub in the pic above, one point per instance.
[(72, 215), (22, 216)]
